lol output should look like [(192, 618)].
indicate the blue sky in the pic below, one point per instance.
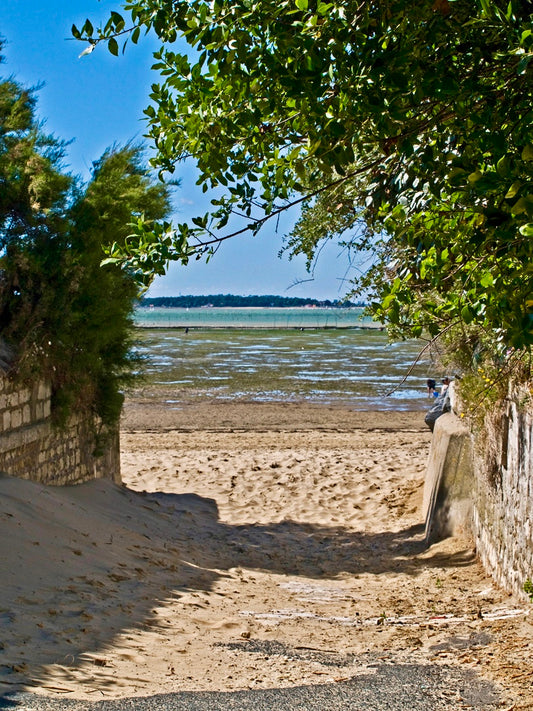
[(98, 100)]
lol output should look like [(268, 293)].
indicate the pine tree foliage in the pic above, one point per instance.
[(67, 318)]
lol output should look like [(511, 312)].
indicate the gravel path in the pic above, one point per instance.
[(393, 687)]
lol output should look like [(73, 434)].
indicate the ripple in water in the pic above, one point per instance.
[(354, 367)]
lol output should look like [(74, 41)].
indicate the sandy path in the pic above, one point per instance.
[(273, 546)]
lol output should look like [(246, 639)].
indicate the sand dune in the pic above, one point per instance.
[(251, 546)]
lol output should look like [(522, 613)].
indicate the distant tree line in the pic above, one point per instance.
[(242, 301)]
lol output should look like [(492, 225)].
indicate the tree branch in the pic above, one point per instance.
[(259, 222)]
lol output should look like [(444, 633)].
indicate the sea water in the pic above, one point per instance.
[(350, 366), (228, 317)]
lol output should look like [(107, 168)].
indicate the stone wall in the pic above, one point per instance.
[(503, 493), (481, 484), (31, 448)]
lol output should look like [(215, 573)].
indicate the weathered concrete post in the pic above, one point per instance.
[(449, 480)]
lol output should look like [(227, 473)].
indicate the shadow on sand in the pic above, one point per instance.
[(82, 564)]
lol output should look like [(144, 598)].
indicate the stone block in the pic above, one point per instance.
[(26, 415), (44, 391), (6, 420), (24, 396)]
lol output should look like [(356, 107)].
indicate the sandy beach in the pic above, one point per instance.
[(250, 546)]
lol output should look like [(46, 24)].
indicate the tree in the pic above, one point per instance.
[(67, 317), (412, 119)]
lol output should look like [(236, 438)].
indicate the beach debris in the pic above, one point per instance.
[(277, 616)]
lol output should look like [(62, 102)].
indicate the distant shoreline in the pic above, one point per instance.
[(236, 301), (207, 307)]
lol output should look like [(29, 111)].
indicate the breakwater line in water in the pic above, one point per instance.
[(254, 318)]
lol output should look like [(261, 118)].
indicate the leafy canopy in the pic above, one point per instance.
[(404, 127)]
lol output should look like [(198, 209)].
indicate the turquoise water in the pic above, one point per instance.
[(354, 367), (217, 317)]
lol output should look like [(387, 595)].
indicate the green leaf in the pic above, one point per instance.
[(519, 207), (527, 152), (515, 187), (88, 29), (112, 46), (387, 301), (503, 166), (118, 20), (302, 5), (527, 230), (486, 279), (475, 176), (523, 64), (525, 35), (466, 314), (396, 285)]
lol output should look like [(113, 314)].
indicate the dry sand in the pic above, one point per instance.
[(251, 546)]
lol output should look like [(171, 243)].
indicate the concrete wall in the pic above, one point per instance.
[(448, 484), (480, 484), (31, 448)]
